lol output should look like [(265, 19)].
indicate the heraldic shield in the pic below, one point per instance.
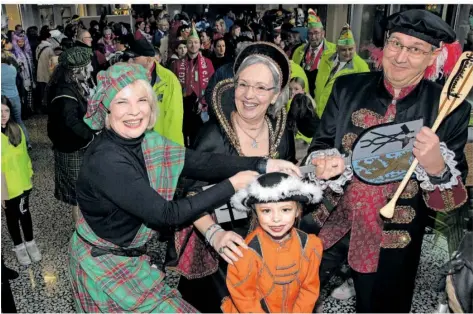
[(383, 154)]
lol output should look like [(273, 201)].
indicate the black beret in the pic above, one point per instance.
[(270, 50), (421, 24), (141, 48)]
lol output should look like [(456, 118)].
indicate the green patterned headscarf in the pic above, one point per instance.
[(109, 84)]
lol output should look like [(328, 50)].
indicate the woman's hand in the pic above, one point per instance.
[(278, 165), (328, 167), (226, 244), (242, 179)]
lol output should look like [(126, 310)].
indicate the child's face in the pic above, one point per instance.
[(295, 89), (5, 115), (277, 219)]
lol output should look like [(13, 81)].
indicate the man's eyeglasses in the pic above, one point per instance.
[(259, 90), (395, 46)]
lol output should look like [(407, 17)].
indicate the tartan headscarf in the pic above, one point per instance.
[(109, 84)]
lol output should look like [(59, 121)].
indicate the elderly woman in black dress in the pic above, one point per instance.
[(248, 119)]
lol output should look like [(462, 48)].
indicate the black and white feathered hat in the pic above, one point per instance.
[(276, 187)]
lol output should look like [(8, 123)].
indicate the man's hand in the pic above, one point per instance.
[(427, 151), (328, 167)]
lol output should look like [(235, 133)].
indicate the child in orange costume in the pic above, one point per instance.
[(280, 270)]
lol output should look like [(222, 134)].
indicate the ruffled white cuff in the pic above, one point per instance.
[(334, 185), (449, 158)]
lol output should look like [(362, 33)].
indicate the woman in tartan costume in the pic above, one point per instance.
[(125, 191)]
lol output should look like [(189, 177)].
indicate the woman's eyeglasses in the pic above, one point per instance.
[(259, 90)]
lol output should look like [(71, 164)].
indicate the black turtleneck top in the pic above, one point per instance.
[(115, 196)]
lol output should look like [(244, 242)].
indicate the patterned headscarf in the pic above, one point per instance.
[(109, 84)]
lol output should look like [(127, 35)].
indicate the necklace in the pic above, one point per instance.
[(254, 143)]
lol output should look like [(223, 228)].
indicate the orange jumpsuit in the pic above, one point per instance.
[(275, 276)]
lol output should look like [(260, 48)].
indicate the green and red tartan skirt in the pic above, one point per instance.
[(111, 284)]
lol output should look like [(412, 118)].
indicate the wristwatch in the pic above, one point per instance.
[(261, 166)]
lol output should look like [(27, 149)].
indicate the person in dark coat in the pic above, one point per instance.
[(383, 253), (66, 96), (219, 55)]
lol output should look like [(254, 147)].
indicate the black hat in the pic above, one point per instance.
[(275, 53), (141, 48), (276, 187), (421, 24)]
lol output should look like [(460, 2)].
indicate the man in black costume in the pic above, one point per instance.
[(384, 253)]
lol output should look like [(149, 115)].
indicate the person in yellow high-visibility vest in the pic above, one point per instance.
[(167, 88), (343, 61), (308, 56)]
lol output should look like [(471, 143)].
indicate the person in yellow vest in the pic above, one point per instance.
[(344, 61), (18, 171), (308, 56), (167, 88)]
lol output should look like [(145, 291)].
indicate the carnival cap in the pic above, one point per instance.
[(193, 34), (276, 187), (346, 37), (313, 20)]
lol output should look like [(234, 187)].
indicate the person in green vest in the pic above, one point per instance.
[(167, 88), (308, 56), (17, 173), (343, 61)]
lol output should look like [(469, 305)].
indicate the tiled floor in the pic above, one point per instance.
[(44, 286)]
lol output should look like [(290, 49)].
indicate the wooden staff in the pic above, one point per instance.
[(454, 92)]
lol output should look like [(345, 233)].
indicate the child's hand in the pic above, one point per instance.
[(225, 244)]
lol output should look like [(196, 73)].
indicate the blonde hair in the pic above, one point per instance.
[(152, 101), (222, 22)]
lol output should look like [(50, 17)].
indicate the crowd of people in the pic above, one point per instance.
[(187, 127)]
